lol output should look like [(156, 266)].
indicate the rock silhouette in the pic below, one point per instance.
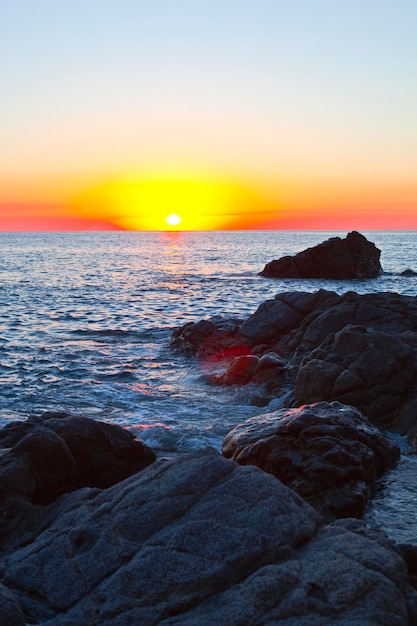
[(352, 257)]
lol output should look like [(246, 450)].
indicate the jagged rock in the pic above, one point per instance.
[(11, 613), (353, 257), (213, 339), (371, 370), (328, 453), (295, 324), (275, 319), (239, 372), (408, 272), (201, 540), (55, 453)]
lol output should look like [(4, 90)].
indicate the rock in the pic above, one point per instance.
[(11, 613), (374, 371), (409, 554), (212, 339), (275, 319), (201, 540), (294, 325), (44, 457), (322, 580), (408, 272), (353, 257), (328, 453), (239, 371)]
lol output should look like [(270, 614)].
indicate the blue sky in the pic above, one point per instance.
[(312, 90)]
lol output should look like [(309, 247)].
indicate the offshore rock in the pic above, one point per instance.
[(328, 453), (201, 540), (353, 257), (46, 456)]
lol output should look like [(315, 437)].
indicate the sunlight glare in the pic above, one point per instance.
[(173, 219), (165, 203)]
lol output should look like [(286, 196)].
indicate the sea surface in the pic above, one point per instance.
[(86, 319)]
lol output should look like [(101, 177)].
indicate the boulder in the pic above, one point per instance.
[(301, 330), (336, 258), (328, 453), (239, 371), (374, 371), (43, 457), (275, 319), (213, 339), (294, 323), (201, 540), (11, 612)]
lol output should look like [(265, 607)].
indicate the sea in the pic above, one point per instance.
[(86, 320)]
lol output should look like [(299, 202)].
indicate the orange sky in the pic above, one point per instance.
[(266, 115)]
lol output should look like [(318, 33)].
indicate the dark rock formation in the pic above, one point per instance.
[(308, 347), (353, 257), (44, 457), (239, 372), (372, 370), (200, 540), (214, 339), (328, 453), (279, 319), (11, 613), (408, 272)]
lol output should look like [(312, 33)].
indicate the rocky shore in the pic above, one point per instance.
[(94, 530), (191, 540), (360, 350)]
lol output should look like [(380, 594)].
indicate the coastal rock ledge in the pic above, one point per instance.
[(357, 349), (328, 453), (199, 540), (336, 258)]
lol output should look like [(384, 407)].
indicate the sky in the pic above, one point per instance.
[(241, 114)]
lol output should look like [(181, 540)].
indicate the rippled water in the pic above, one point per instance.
[(85, 321)]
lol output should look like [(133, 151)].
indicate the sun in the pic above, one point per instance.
[(173, 202), (173, 219)]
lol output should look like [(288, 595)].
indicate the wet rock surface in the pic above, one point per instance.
[(372, 370), (196, 540), (358, 349), (44, 457), (328, 453), (352, 257)]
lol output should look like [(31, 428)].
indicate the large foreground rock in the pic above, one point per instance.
[(328, 453), (55, 453), (201, 540), (353, 257)]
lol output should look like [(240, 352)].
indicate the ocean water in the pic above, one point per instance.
[(86, 319)]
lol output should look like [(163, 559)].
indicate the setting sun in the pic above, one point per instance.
[(155, 202), (173, 219)]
